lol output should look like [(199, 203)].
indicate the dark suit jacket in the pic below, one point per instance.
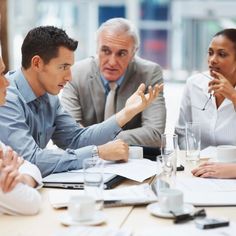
[(84, 98)]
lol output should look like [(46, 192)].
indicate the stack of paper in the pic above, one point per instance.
[(136, 194), (135, 169), (208, 192)]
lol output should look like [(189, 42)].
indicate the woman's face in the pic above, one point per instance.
[(222, 56), (3, 83)]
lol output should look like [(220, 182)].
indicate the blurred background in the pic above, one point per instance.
[(174, 33)]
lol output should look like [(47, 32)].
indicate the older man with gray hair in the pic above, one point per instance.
[(101, 85)]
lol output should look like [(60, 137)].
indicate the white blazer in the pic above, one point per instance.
[(23, 199)]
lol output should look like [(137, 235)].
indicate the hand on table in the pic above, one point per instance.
[(116, 150), (215, 170)]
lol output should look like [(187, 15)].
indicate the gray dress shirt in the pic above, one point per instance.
[(27, 123)]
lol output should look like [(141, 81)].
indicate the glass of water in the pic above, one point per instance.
[(193, 141), (169, 144), (93, 180)]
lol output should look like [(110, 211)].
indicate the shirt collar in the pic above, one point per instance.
[(25, 88), (106, 82)]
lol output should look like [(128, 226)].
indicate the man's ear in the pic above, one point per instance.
[(36, 63)]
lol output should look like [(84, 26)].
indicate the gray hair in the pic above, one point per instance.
[(121, 25)]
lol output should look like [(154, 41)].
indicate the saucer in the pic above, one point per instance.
[(99, 218), (155, 210)]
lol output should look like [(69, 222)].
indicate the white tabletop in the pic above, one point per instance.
[(136, 218)]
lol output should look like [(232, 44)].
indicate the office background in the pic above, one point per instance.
[(174, 33)]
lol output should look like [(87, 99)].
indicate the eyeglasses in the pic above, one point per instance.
[(210, 96), (205, 105)]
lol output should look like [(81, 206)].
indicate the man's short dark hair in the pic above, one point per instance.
[(45, 41)]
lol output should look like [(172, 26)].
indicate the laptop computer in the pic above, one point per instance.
[(75, 180)]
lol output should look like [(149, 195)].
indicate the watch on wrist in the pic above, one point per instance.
[(95, 153)]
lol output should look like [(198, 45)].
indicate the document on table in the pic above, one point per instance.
[(131, 195), (188, 229), (92, 231), (135, 169), (207, 192)]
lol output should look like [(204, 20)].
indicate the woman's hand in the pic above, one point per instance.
[(8, 156), (9, 174), (222, 86), (9, 171), (215, 170)]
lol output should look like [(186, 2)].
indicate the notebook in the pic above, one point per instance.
[(74, 180)]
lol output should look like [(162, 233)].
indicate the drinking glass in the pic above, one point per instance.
[(193, 141), (93, 180), (169, 144)]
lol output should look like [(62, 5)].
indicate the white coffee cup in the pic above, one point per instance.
[(171, 200), (81, 208), (226, 153), (135, 152)]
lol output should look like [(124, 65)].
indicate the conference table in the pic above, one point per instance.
[(136, 218)]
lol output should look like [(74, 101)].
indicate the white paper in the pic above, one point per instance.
[(92, 231), (135, 193), (196, 184), (210, 199), (188, 229), (132, 194), (135, 169), (207, 192)]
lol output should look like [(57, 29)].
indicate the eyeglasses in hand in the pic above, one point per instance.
[(210, 96)]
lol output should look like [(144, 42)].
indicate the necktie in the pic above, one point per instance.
[(110, 102)]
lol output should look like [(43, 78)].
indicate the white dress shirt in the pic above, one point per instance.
[(218, 126), (23, 199)]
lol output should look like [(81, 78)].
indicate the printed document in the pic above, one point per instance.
[(207, 192), (131, 195), (135, 169)]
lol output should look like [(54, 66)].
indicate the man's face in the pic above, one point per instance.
[(115, 51), (53, 76)]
